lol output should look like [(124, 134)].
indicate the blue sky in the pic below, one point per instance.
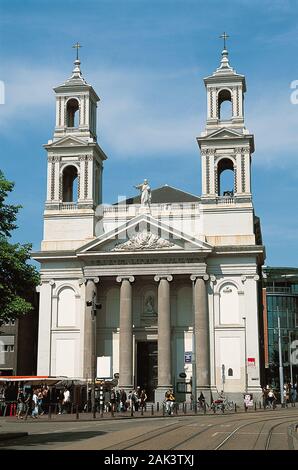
[(146, 59)]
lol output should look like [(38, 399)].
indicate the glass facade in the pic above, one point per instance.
[(281, 292)]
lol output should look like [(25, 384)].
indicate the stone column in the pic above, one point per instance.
[(126, 336), (164, 336), (89, 327), (201, 330)]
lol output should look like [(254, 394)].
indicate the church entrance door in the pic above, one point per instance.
[(147, 367)]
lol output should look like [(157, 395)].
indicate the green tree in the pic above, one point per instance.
[(17, 278)]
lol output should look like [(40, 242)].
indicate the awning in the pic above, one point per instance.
[(31, 379)]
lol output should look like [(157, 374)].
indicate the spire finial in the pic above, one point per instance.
[(224, 63), (76, 73), (224, 36), (77, 46)]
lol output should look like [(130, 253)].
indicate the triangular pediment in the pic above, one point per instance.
[(224, 133), (144, 234), (68, 141)]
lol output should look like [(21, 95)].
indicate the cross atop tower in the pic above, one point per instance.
[(224, 36), (77, 46)]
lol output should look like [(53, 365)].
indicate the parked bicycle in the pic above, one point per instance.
[(222, 404)]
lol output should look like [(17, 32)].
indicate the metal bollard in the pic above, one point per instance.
[(235, 408), (255, 406), (77, 412), (152, 410), (205, 410), (112, 411), (101, 404), (157, 406), (260, 405), (131, 410), (50, 412), (163, 409)]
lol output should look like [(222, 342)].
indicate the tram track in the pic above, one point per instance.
[(150, 436), (133, 441), (255, 420), (269, 432)]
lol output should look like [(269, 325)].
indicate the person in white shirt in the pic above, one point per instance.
[(34, 405), (66, 400)]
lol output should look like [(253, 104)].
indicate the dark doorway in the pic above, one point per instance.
[(147, 367)]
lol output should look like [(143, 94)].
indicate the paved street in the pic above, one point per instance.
[(251, 431)]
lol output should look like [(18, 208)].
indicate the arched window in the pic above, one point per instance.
[(224, 105), (228, 304), (226, 177), (70, 184), (230, 372), (72, 113), (66, 315)]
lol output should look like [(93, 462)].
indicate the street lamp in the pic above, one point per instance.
[(194, 358), (245, 354), (94, 307), (281, 371)]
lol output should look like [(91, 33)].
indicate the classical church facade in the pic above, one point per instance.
[(177, 278)]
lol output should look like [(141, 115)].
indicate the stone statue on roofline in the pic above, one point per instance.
[(145, 193)]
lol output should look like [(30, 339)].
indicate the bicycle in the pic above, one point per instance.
[(222, 404)]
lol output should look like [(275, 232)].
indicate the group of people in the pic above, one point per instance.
[(290, 395), (119, 400), (31, 404)]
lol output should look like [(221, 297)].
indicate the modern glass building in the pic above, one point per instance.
[(280, 299)]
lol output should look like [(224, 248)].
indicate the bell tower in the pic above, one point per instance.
[(225, 143), (75, 166)]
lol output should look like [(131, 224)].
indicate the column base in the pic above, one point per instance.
[(160, 392)]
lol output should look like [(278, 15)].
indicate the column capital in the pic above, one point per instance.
[(93, 279), (122, 278), (158, 277), (194, 277)]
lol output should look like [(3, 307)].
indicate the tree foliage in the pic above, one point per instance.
[(17, 278)]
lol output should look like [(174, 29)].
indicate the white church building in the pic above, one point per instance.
[(177, 275)]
